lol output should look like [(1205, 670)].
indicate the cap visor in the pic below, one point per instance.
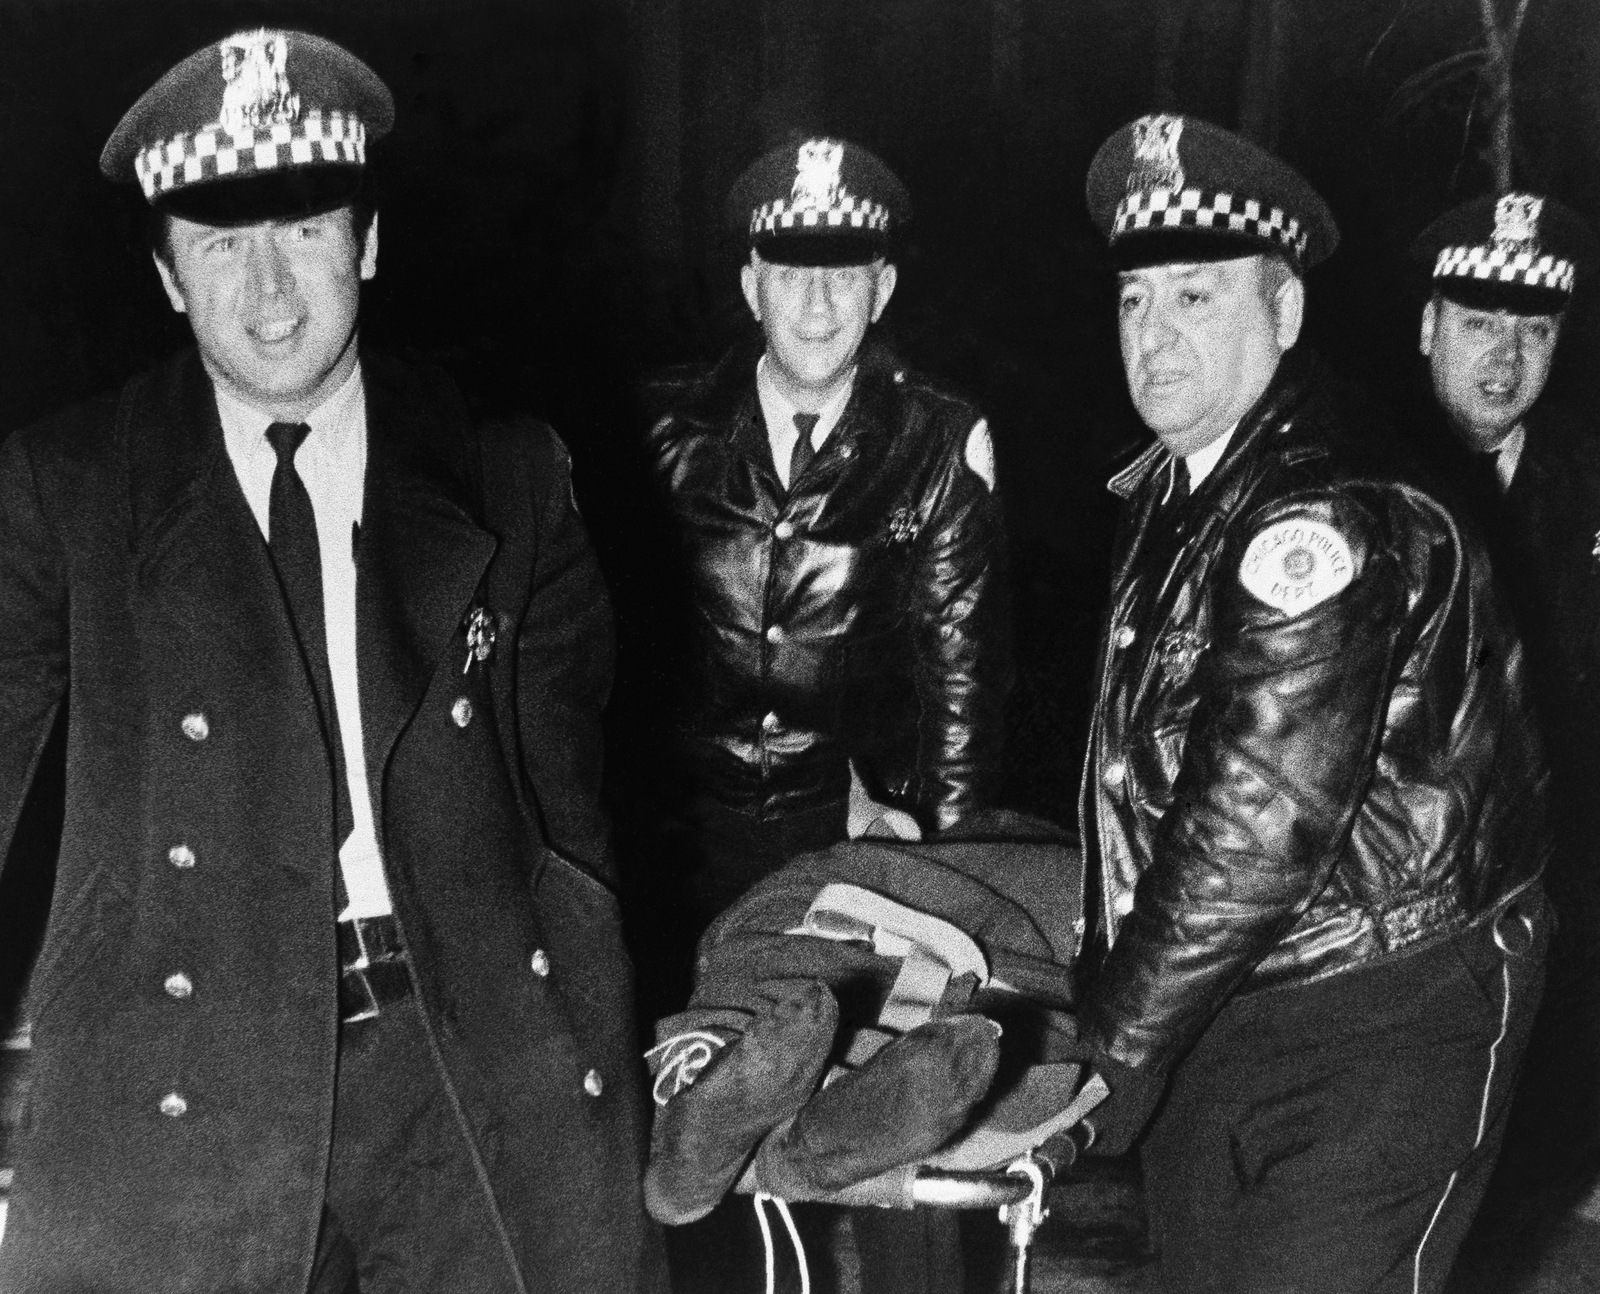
[(1134, 251), (266, 195), (1514, 298), (820, 249)]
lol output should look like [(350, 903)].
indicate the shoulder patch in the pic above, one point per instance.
[(980, 452), (1295, 564)]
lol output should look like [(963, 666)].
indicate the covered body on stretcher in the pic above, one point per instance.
[(870, 1013)]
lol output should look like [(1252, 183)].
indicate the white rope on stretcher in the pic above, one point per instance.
[(683, 1067), (761, 1198)]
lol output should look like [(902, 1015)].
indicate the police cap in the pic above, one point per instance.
[(261, 125), (1172, 188), (818, 202), (1519, 252)]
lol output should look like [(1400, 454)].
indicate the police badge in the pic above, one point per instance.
[(816, 178), (1155, 155), (257, 91), (480, 635), (904, 526), (1516, 223)]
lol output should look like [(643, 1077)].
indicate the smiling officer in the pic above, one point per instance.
[(1313, 806), (845, 554), (844, 543), (333, 972)]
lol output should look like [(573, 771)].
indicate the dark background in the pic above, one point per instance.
[(550, 233)]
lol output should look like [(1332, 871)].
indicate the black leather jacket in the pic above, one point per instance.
[(861, 614), (1275, 796)]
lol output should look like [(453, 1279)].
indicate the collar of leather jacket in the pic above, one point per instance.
[(1290, 387), (724, 394)]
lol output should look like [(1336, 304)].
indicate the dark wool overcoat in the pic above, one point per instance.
[(136, 590)]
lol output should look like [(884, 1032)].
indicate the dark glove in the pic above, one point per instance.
[(1120, 1118)]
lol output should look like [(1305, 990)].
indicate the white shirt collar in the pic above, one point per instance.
[(334, 420), (1202, 461), (778, 412), (1509, 454)]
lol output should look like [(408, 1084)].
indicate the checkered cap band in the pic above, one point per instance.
[(1505, 265), (214, 152), (848, 212), (1221, 212)]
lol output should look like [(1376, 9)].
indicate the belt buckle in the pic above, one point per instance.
[(353, 982), (374, 946)]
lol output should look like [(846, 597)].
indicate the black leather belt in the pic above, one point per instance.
[(373, 970)]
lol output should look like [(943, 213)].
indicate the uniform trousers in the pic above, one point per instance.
[(1337, 1137), (405, 1203), (875, 1251)]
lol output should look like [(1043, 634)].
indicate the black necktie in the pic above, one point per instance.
[(800, 459), (292, 540), (1178, 489)]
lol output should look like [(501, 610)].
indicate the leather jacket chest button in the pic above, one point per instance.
[(1125, 636), (784, 530), (771, 722), (774, 633), (1113, 774)]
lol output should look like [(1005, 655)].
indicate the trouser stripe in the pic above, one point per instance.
[(1483, 1117)]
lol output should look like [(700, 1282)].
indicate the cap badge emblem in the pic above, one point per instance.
[(1155, 155), (816, 178), (1516, 222), (257, 91)]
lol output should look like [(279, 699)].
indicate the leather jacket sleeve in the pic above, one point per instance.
[(960, 611), (1280, 747)]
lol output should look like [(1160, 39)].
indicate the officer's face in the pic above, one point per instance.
[(1201, 341), (814, 317), (273, 305), (1489, 366)]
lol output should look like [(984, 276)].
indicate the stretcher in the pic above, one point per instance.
[(941, 931)]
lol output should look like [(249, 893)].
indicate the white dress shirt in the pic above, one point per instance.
[(1202, 461), (332, 462), (779, 413), (1508, 453)]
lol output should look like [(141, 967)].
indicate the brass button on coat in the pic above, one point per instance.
[(784, 530), (539, 963), (173, 1105), (181, 856), (1114, 773), (593, 1084), (196, 727), (1125, 636), (178, 985), (461, 712), (774, 633)]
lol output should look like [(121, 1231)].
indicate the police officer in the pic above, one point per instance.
[(1502, 274), (843, 538), (333, 974), (1313, 809), (844, 547)]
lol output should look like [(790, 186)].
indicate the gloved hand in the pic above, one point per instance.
[(1121, 1117)]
